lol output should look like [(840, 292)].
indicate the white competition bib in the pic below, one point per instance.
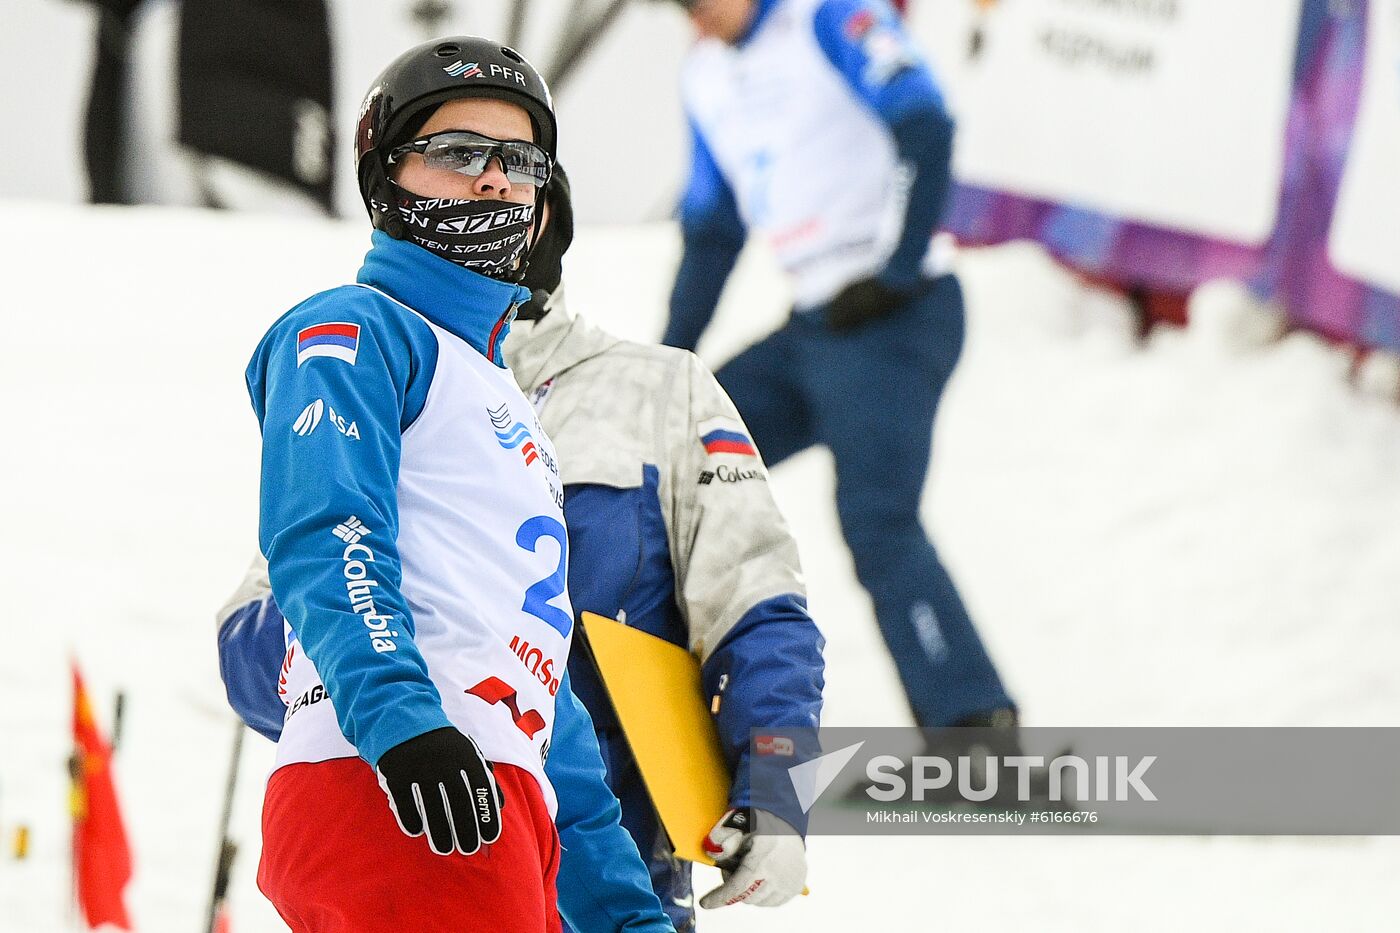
[(484, 553)]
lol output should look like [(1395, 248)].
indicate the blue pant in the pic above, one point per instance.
[(870, 395)]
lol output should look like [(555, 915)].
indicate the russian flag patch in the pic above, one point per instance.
[(337, 339), (725, 436)]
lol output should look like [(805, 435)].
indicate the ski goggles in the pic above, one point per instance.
[(468, 153)]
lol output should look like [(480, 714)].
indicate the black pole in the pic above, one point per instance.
[(223, 864), (430, 14), (105, 122), (576, 43), (516, 27), (118, 718)]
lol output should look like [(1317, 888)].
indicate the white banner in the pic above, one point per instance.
[(1365, 240), (1170, 112)]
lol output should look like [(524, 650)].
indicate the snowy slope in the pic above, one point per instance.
[(1165, 536)]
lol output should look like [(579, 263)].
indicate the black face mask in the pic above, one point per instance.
[(486, 236)]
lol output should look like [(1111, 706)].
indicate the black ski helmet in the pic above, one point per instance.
[(421, 79)]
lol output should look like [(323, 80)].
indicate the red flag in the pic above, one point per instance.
[(101, 856)]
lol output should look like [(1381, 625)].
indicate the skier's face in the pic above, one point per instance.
[(495, 118), (725, 20)]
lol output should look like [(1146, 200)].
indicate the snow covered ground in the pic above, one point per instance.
[(1172, 535)]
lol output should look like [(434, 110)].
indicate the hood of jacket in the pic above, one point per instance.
[(538, 351)]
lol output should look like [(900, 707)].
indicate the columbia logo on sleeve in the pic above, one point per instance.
[(351, 530)]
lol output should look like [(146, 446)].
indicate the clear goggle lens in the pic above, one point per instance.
[(470, 153)]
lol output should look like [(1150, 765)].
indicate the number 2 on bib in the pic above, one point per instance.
[(537, 597)]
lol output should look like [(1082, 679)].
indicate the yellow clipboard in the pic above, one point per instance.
[(655, 690)]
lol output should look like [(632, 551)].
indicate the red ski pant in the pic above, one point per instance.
[(335, 861)]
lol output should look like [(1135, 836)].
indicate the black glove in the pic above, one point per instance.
[(440, 782), (863, 301)]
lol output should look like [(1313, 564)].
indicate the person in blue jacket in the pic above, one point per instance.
[(819, 123), (662, 491), (412, 535)]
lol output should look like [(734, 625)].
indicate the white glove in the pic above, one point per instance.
[(764, 868)]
